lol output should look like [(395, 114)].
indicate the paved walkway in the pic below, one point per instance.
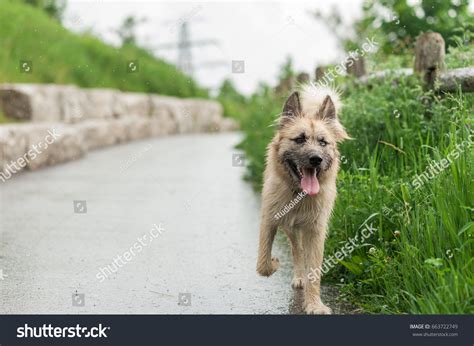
[(175, 210)]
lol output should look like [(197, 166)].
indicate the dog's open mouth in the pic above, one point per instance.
[(308, 177)]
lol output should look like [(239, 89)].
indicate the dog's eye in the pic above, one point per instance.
[(323, 143), (300, 139)]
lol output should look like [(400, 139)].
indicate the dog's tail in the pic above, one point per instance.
[(313, 95)]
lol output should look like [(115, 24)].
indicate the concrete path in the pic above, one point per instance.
[(174, 215)]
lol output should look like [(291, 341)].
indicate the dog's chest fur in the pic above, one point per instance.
[(305, 212)]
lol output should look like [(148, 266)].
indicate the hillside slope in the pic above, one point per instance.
[(57, 55)]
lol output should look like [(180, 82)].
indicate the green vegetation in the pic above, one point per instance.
[(59, 56), (127, 30), (397, 23), (420, 259), (54, 8)]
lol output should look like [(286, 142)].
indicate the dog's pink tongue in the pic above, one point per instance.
[(309, 183)]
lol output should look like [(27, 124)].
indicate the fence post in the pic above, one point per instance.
[(429, 57), (285, 85), (356, 66), (319, 73), (302, 78)]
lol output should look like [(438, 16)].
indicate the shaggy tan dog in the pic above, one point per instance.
[(300, 187)]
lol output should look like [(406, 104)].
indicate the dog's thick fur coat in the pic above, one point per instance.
[(302, 156)]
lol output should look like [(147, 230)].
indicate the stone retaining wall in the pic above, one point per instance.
[(84, 119)]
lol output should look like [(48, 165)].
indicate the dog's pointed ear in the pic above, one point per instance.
[(327, 109), (291, 109)]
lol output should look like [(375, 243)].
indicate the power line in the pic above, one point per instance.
[(184, 46)]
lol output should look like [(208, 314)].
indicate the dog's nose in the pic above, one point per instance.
[(315, 160)]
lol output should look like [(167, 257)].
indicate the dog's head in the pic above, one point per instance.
[(308, 138)]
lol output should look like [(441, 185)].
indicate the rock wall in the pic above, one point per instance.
[(84, 119)]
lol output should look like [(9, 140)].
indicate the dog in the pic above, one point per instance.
[(301, 169)]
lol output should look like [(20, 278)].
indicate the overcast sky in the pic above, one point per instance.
[(261, 34)]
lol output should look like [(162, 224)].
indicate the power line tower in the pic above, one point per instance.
[(185, 57), (184, 47)]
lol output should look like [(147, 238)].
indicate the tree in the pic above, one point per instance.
[(286, 70), (54, 8), (397, 23), (127, 30), (229, 92)]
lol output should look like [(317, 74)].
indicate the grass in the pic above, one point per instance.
[(420, 259), (60, 56), (428, 267)]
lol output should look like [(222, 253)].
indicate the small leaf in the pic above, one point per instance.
[(435, 262), (352, 267)]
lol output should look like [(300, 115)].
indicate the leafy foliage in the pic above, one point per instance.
[(54, 8), (127, 30), (397, 23)]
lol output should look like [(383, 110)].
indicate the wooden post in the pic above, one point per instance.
[(319, 73), (356, 66), (302, 78), (285, 86), (429, 57)]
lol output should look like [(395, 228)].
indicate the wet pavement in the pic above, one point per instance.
[(162, 226)]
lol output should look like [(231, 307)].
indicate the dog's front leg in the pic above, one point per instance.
[(298, 261), (266, 265), (313, 253)]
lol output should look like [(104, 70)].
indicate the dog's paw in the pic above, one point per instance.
[(297, 282), (318, 309), (269, 269)]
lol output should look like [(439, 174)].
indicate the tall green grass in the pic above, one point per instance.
[(60, 56), (421, 258)]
